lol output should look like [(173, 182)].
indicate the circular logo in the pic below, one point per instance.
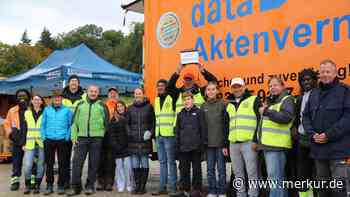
[(168, 29)]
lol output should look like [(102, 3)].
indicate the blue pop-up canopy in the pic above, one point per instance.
[(53, 73)]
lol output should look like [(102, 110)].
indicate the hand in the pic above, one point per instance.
[(225, 152), (254, 147), (147, 135), (179, 68), (200, 67), (261, 110), (320, 138), (74, 142)]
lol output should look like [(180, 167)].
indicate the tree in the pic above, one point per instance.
[(25, 39), (46, 40)]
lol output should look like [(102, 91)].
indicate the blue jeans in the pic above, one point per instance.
[(275, 165), (216, 158), (139, 161), (29, 157), (166, 157)]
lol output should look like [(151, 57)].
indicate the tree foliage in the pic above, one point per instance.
[(114, 46)]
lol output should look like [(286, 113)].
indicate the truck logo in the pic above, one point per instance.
[(216, 10), (168, 29)]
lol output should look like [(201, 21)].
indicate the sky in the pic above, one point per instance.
[(59, 16)]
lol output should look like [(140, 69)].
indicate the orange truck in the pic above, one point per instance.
[(253, 39)]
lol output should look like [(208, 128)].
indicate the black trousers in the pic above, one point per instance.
[(106, 169), (17, 161), (85, 146), (186, 160), (62, 149), (305, 165)]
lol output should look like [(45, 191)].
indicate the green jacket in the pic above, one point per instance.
[(90, 119)]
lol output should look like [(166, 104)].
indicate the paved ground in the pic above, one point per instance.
[(152, 183)]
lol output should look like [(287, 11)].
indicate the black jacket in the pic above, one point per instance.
[(66, 93), (328, 111), (117, 140), (302, 139), (176, 91), (140, 118), (191, 131)]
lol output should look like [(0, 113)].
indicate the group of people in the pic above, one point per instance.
[(303, 138)]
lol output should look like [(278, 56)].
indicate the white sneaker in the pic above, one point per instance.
[(129, 189), (211, 195), (222, 195), (120, 190)]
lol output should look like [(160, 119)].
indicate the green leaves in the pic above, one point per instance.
[(115, 47)]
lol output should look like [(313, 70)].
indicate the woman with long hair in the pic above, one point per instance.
[(34, 147)]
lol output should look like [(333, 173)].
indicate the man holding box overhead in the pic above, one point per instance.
[(189, 85)]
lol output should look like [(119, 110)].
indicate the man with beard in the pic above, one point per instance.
[(72, 95), (14, 125)]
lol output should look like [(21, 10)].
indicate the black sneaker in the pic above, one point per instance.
[(160, 192), (14, 186), (175, 194), (49, 190)]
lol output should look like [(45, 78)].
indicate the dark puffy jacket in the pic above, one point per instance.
[(117, 137), (140, 118), (191, 130), (328, 111)]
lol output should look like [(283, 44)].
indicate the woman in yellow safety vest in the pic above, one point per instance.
[(275, 135), (34, 148)]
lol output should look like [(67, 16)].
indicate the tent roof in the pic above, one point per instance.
[(80, 58), (135, 6)]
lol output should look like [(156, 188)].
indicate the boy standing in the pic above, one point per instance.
[(191, 140)]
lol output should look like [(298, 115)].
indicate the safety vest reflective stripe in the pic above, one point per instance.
[(33, 131), (277, 131), (247, 128), (165, 124), (243, 120), (275, 134), (164, 117), (247, 117)]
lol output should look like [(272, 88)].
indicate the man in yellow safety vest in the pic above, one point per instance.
[(243, 111), (164, 108)]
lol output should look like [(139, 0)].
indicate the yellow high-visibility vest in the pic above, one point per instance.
[(72, 106), (276, 134), (243, 120), (197, 99), (33, 131), (165, 117)]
